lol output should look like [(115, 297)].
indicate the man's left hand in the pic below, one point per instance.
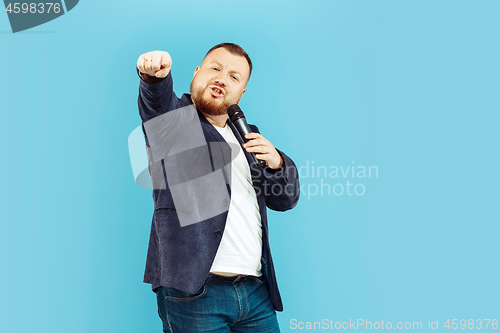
[(264, 150)]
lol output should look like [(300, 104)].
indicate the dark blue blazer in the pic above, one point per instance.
[(181, 257)]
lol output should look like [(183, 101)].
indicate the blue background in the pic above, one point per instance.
[(411, 87)]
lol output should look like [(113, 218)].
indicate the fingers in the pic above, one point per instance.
[(144, 63), (260, 150), (253, 135), (148, 63), (164, 62), (155, 63), (255, 139), (263, 149), (258, 144), (255, 142)]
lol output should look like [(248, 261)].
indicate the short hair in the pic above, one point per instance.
[(236, 50)]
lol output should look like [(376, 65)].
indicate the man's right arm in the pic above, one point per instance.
[(156, 94)]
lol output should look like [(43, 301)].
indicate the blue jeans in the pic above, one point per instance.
[(219, 306)]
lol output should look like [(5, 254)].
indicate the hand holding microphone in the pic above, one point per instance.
[(261, 149)]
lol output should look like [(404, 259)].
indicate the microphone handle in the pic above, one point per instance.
[(242, 127)]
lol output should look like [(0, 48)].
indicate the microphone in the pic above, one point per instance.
[(239, 121)]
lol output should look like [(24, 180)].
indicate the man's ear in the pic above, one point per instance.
[(196, 70), (244, 89)]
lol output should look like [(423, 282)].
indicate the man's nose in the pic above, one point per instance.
[(220, 81)]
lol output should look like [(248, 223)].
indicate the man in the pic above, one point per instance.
[(214, 274)]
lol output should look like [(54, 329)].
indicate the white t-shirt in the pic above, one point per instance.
[(240, 249)]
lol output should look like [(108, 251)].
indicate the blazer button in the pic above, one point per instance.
[(225, 202), (218, 233)]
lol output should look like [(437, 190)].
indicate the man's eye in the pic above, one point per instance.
[(215, 68), (235, 78)]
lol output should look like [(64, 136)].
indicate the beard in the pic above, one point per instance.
[(208, 105)]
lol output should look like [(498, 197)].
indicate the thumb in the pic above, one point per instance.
[(162, 72)]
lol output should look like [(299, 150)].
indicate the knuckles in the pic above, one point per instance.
[(157, 58)]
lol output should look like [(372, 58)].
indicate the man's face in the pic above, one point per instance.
[(219, 82)]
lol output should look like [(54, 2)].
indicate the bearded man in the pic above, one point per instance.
[(215, 275)]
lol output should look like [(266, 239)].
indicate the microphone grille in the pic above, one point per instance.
[(234, 112)]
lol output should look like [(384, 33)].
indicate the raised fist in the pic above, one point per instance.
[(155, 63)]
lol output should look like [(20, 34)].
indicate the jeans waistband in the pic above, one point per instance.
[(221, 278)]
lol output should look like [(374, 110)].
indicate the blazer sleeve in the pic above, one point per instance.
[(156, 98), (283, 190)]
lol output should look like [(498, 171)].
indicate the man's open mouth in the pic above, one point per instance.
[(216, 91)]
